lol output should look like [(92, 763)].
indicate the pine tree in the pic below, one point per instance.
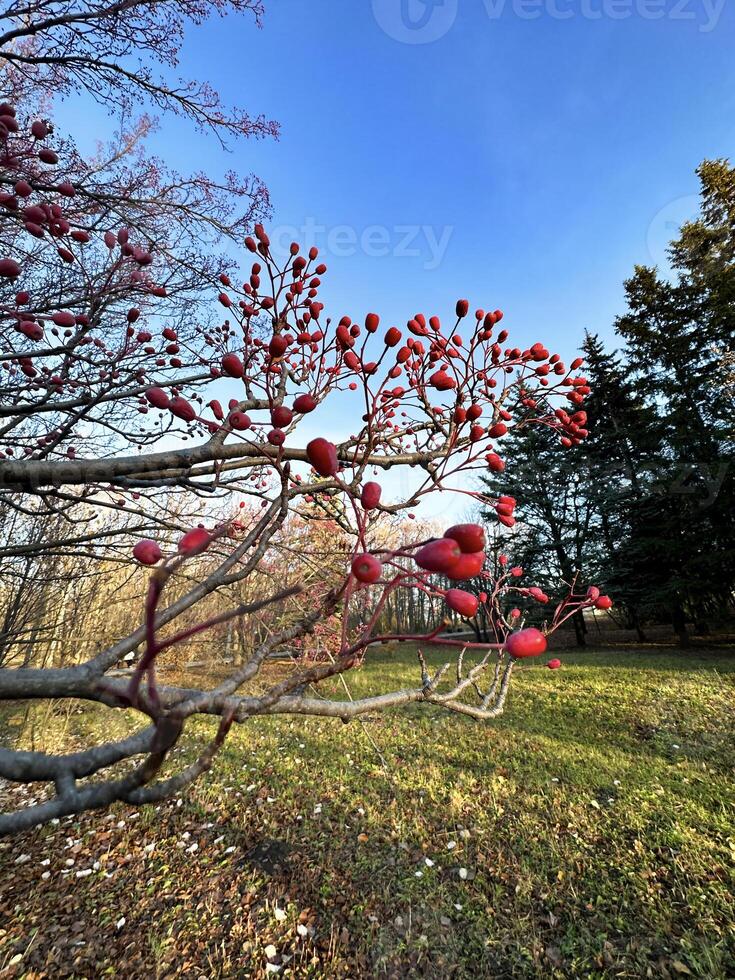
[(681, 548)]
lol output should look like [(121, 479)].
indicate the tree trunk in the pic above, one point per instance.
[(679, 622)]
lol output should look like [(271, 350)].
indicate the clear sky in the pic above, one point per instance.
[(522, 153)]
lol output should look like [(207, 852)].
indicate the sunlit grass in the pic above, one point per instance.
[(588, 832)]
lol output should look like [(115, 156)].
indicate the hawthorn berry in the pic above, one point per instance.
[(604, 602), (281, 416), (239, 420), (322, 455), (157, 397), (469, 537), (366, 568), (147, 552), (194, 542), (9, 269), (232, 366), (370, 496), (468, 566), (462, 602), (440, 555), (182, 409), (303, 404), (526, 643), (554, 664)]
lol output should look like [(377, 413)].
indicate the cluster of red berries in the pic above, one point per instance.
[(193, 542)]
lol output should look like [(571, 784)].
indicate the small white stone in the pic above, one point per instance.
[(463, 874), (280, 914), (120, 922), (428, 862), (451, 845), (270, 951)]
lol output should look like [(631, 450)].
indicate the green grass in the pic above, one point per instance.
[(593, 825)]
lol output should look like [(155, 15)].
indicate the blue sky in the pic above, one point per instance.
[(528, 161), (519, 159)]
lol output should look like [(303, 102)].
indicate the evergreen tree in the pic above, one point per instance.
[(681, 549)]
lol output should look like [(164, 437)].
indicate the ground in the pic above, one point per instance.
[(589, 832)]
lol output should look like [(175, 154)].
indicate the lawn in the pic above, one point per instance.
[(589, 832)]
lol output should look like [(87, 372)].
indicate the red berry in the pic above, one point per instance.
[(303, 404), (281, 416), (239, 420), (461, 602), (147, 552), (468, 566), (278, 346), (463, 307), (392, 337), (322, 455), (372, 321), (526, 643), (554, 664), (604, 602), (9, 268), (181, 408), (370, 496), (442, 381), (497, 430), (438, 556), (276, 437), (593, 593), (469, 537), (232, 366), (194, 542), (366, 568), (495, 463), (157, 397)]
